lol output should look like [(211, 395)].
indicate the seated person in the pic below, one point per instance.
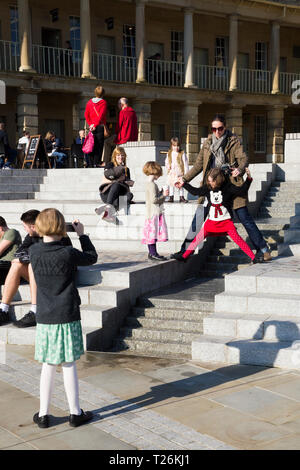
[(53, 147), (19, 270), (10, 239), (116, 183)]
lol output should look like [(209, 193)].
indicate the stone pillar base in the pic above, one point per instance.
[(88, 76), (143, 114), (26, 69), (190, 131), (27, 112)]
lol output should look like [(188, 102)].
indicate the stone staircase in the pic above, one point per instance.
[(20, 184)]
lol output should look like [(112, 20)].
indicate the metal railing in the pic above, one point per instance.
[(164, 72), (254, 81), (285, 82), (210, 77), (56, 61), (114, 67), (9, 56)]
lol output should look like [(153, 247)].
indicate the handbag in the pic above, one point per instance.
[(106, 131), (88, 144)]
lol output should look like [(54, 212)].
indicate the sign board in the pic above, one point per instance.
[(36, 151)]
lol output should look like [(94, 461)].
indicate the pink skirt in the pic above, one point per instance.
[(155, 230)]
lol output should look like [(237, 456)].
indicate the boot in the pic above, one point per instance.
[(170, 199), (181, 199)]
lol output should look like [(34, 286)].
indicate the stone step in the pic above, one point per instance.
[(157, 314), (224, 267), (258, 303), (23, 180), (20, 187), (8, 196), (243, 259), (217, 349), (164, 324), (155, 348), (158, 335), (271, 327), (190, 305), (237, 254), (76, 196)]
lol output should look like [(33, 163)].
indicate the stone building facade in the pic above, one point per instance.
[(240, 58)]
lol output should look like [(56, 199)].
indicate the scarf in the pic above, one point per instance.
[(217, 149)]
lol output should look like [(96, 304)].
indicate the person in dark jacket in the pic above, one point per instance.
[(116, 183), (5, 151), (19, 271), (59, 337)]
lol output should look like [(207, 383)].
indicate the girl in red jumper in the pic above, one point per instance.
[(220, 193), (95, 115)]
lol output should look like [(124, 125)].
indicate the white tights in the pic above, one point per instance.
[(171, 191), (70, 384)]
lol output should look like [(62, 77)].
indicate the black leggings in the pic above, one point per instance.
[(96, 155), (111, 196)]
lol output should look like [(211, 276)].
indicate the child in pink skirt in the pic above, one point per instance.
[(155, 227)]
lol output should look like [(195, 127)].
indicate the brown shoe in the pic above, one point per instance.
[(267, 256), (169, 199), (182, 199)]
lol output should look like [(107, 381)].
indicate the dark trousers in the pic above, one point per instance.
[(96, 155), (4, 268), (112, 195), (244, 217)]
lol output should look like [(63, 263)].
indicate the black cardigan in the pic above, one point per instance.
[(54, 267), (229, 192)]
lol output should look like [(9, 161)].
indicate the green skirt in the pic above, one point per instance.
[(56, 344)]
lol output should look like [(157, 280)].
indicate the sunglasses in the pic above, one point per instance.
[(215, 129)]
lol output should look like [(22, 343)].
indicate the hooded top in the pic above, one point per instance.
[(126, 129), (95, 111)]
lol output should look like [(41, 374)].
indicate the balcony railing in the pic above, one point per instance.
[(285, 82), (56, 61), (164, 72), (114, 68), (254, 81), (9, 56), (209, 77)]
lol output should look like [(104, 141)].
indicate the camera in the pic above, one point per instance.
[(226, 169), (69, 227), (23, 257)]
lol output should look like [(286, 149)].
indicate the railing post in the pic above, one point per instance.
[(24, 36)]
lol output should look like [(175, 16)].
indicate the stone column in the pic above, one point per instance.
[(85, 33), (83, 99), (143, 112), (188, 48), (275, 134), (24, 36), (140, 40), (275, 56), (233, 52), (190, 130), (234, 120), (27, 111)]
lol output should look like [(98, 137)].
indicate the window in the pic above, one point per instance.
[(155, 48), (75, 38), (260, 133), (295, 124), (14, 30), (261, 56), (175, 131), (221, 52), (177, 46), (128, 40)]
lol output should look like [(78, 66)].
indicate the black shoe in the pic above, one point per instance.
[(4, 317), (42, 422), (178, 256), (78, 420), (156, 257), (26, 321)]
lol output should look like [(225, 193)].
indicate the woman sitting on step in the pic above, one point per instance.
[(220, 193), (116, 183)]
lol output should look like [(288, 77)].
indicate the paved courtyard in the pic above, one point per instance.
[(152, 403)]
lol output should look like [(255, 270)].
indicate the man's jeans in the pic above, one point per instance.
[(251, 228), (244, 217), (60, 158)]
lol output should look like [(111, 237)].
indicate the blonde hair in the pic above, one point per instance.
[(99, 91), (152, 168), (118, 151), (175, 141), (51, 222), (49, 135)]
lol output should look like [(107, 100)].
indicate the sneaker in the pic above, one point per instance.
[(178, 256), (100, 209), (109, 218), (42, 422), (78, 420), (4, 317), (157, 257), (28, 320)]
